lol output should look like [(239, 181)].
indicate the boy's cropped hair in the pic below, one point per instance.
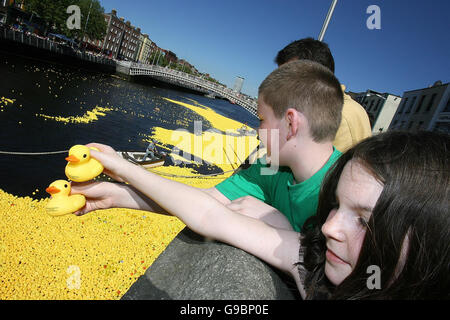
[(308, 49), (311, 89)]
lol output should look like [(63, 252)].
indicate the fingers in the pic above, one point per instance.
[(80, 212), (101, 147), (112, 175), (89, 189), (100, 156), (105, 155), (234, 206)]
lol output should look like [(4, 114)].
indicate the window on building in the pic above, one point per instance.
[(411, 105), (420, 125), (447, 107), (378, 104), (403, 106), (410, 124), (443, 127), (420, 104), (430, 104)]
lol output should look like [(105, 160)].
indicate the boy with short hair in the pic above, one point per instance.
[(355, 124), (300, 104)]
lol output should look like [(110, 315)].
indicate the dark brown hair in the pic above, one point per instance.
[(413, 207), (309, 49), (309, 88)]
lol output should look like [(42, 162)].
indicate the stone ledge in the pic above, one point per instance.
[(194, 268)]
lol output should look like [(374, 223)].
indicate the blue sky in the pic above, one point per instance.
[(232, 38)]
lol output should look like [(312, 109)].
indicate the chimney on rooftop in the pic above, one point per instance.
[(437, 83), (114, 12)]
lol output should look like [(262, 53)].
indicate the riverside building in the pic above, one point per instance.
[(145, 48), (424, 109), (381, 108), (238, 83), (122, 39)]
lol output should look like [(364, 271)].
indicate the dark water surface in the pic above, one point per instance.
[(42, 88)]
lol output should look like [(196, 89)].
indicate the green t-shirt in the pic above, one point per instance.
[(296, 201)]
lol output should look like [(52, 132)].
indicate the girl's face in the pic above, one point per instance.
[(356, 195)]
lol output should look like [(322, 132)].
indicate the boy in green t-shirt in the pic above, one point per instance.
[(299, 107), (302, 105)]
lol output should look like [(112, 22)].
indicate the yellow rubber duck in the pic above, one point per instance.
[(61, 202), (81, 166)]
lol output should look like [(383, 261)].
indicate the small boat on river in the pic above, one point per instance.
[(137, 158)]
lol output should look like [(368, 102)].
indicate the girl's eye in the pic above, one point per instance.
[(334, 205), (363, 222)]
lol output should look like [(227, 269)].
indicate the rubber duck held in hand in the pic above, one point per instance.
[(81, 166), (61, 202)]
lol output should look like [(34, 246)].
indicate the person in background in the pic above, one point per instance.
[(355, 125), (151, 150)]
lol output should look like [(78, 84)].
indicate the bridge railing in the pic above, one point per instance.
[(33, 40), (134, 68), (217, 87)]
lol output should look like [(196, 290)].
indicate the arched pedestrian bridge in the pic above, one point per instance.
[(186, 80)]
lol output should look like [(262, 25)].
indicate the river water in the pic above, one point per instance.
[(55, 107)]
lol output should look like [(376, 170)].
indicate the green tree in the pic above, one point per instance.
[(54, 13), (96, 26), (157, 57)]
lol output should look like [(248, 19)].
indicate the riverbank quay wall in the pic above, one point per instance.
[(31, 46)]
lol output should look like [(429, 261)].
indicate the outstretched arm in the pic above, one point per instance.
[(105, 195), (207, 216)]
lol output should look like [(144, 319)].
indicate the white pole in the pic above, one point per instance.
[(327, 20), (87, 19)]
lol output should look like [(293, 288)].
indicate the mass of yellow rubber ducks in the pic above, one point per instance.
[(5, 101), (110, 248)]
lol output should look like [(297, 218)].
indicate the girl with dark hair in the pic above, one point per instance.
[(382, 230), (384, 204)]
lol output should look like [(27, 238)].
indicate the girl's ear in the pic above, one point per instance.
[(293, 122)]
